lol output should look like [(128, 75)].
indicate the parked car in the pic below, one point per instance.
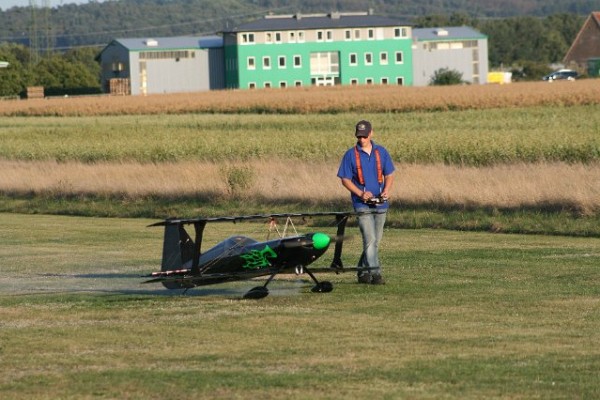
[(567, 74)]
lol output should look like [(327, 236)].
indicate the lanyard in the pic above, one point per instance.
[(361, 178)]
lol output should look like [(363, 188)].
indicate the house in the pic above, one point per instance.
[(455, 48), (162, 65), (584, 53), (318, 49)]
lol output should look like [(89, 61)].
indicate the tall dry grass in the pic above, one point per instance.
[(540, 185), (366, 99)]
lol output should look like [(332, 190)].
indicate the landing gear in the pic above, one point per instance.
[(260, 292), (257, 293), (320, 287)]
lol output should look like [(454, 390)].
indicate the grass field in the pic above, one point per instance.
[(463, 316), (468, 137), (471, 169)]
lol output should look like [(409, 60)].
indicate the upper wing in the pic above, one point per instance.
[(183, 221)]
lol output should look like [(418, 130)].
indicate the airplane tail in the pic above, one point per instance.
[(178, 249)]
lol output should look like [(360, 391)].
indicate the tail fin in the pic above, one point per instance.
[(178, 249)]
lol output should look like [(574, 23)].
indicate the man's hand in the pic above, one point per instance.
[(366, 195)]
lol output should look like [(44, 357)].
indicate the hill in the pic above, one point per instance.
[(96, 23)]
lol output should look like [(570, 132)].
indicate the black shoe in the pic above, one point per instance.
[(377, 280), (364, 278)]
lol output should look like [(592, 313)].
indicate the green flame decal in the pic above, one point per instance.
[(258, 259)]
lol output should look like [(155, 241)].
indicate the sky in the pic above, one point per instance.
[(6, 4)]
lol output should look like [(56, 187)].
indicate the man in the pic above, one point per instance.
[(367, 171)]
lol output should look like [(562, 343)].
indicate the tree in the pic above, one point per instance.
[(445, 76), (61, 76), (13, 78)]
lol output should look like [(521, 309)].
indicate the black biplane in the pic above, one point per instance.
[(185, 266)]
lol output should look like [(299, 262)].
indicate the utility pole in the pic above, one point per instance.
[(40, 31), (47, 27), (34, 44)]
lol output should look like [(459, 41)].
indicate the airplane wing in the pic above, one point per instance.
[(184, 276), (185, 221)]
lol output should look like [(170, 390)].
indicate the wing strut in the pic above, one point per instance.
[(199, 227), (341, 220)]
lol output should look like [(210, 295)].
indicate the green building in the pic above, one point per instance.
[(318, 49)]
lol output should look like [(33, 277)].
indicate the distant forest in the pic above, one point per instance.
[(522, 34)]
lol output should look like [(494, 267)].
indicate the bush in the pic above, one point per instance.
[(445, 76)]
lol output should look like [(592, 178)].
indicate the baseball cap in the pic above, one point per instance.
[(363, 128)]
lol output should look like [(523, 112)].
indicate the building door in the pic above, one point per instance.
[(323, 81), (143, 78)]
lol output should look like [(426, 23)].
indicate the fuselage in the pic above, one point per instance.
[(240, 257)]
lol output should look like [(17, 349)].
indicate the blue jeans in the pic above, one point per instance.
[(371, 228)]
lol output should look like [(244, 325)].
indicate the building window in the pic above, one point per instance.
[(281, 61), (251, 63), (251, 85), (353, 59), (320, 36), (347, 34), (277, 37), (369, 81), (328, 36), (354, 81), (384, 81), (300, 36), (383, 58), (370, 33), (324, 63), (400, 81), (165, 55), (247, 38), (297, 61), (282, 84), (368, 58), (357, 34), (297, 83), (266, 62), (400, 33), (399, 57), (267, 85), (269, 37), (117, 66)]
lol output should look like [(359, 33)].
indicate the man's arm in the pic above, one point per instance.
[(389, 180), (348, 184)]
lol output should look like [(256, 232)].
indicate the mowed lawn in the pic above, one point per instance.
[(462, 316)]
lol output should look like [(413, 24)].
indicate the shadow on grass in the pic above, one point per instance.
[(125, 284)]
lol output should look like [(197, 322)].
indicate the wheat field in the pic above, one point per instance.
[(308, 100)]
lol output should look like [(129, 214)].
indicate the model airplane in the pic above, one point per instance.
[(185, 266)]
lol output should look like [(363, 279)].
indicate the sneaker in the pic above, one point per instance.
[(364, 278), (377, 280)]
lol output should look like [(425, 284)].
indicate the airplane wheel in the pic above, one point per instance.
[(322, 287), (256, 293)]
